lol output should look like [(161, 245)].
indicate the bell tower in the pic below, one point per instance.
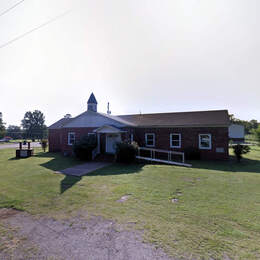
[(92, 103)]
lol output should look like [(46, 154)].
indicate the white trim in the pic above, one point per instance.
[(175, 146), (153, 134), (131, 138), (210, 142), (105, 129), (69, 138)]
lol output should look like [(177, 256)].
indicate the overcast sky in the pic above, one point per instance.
[(139, 55)]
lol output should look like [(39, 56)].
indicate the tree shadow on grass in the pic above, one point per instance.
[(231, 165), (68, 182), (57, 161)]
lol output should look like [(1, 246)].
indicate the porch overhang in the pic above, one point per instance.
[(108, 129)]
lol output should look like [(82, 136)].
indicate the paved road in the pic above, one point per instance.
[(16, 145)]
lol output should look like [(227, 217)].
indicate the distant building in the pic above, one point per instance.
[(236, 133), (206, 131)]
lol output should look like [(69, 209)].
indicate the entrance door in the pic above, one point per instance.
[(111, 141)]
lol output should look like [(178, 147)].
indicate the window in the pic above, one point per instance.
[(150, 140), (205, 141), (175, 140), (93, 134), (71, 138)]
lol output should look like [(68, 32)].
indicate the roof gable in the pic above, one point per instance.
[(108, 129), (93, 119), (59, 124)]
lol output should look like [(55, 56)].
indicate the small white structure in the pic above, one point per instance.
[(236, 132)]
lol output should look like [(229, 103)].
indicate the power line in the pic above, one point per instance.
[(34, 29), (11, 8)]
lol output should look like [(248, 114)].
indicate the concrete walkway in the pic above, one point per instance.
[(84, 169)]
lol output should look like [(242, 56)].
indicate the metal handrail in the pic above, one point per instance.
[(152, 150)]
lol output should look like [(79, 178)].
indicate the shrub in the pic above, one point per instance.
[(126, 152), (192, 153), (83, 148), (239, 150), (44, 144)]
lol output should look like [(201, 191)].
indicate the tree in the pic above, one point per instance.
[(34, 124), (239, 150), (14, 131), (2, 126), (254, 124), (257, 134)]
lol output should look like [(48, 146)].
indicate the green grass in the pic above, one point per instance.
[(251, 138), (217, 212)]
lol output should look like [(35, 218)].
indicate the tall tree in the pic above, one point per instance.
[(2, 126), (14, 131), (34, 124)]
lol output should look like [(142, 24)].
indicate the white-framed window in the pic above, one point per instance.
[(175, 140), (150, 139), (205, 141), (71, 138)]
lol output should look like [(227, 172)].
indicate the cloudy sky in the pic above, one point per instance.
[(139, 55)]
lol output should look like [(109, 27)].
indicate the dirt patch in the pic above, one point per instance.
[(175, 200), (124, 198), (6, 213), (77, 238)]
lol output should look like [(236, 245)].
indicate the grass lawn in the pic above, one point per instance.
[(217, 212)]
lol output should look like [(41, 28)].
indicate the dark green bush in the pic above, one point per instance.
[(192, 153), (83, 148), (125, 152), (239, 150)]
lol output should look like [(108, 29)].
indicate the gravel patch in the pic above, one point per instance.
[(77, 239)]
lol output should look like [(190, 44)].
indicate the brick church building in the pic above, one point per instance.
[(206, 131)]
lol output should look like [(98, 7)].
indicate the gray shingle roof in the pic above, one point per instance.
[(60, 123), (179, 119), (196, 119)]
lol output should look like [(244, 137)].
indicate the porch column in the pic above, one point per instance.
[(98, 142)]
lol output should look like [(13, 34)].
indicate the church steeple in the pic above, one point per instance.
[(92, 103)]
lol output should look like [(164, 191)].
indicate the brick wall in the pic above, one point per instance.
[(54, 140), (58, 139), (189, 138)]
